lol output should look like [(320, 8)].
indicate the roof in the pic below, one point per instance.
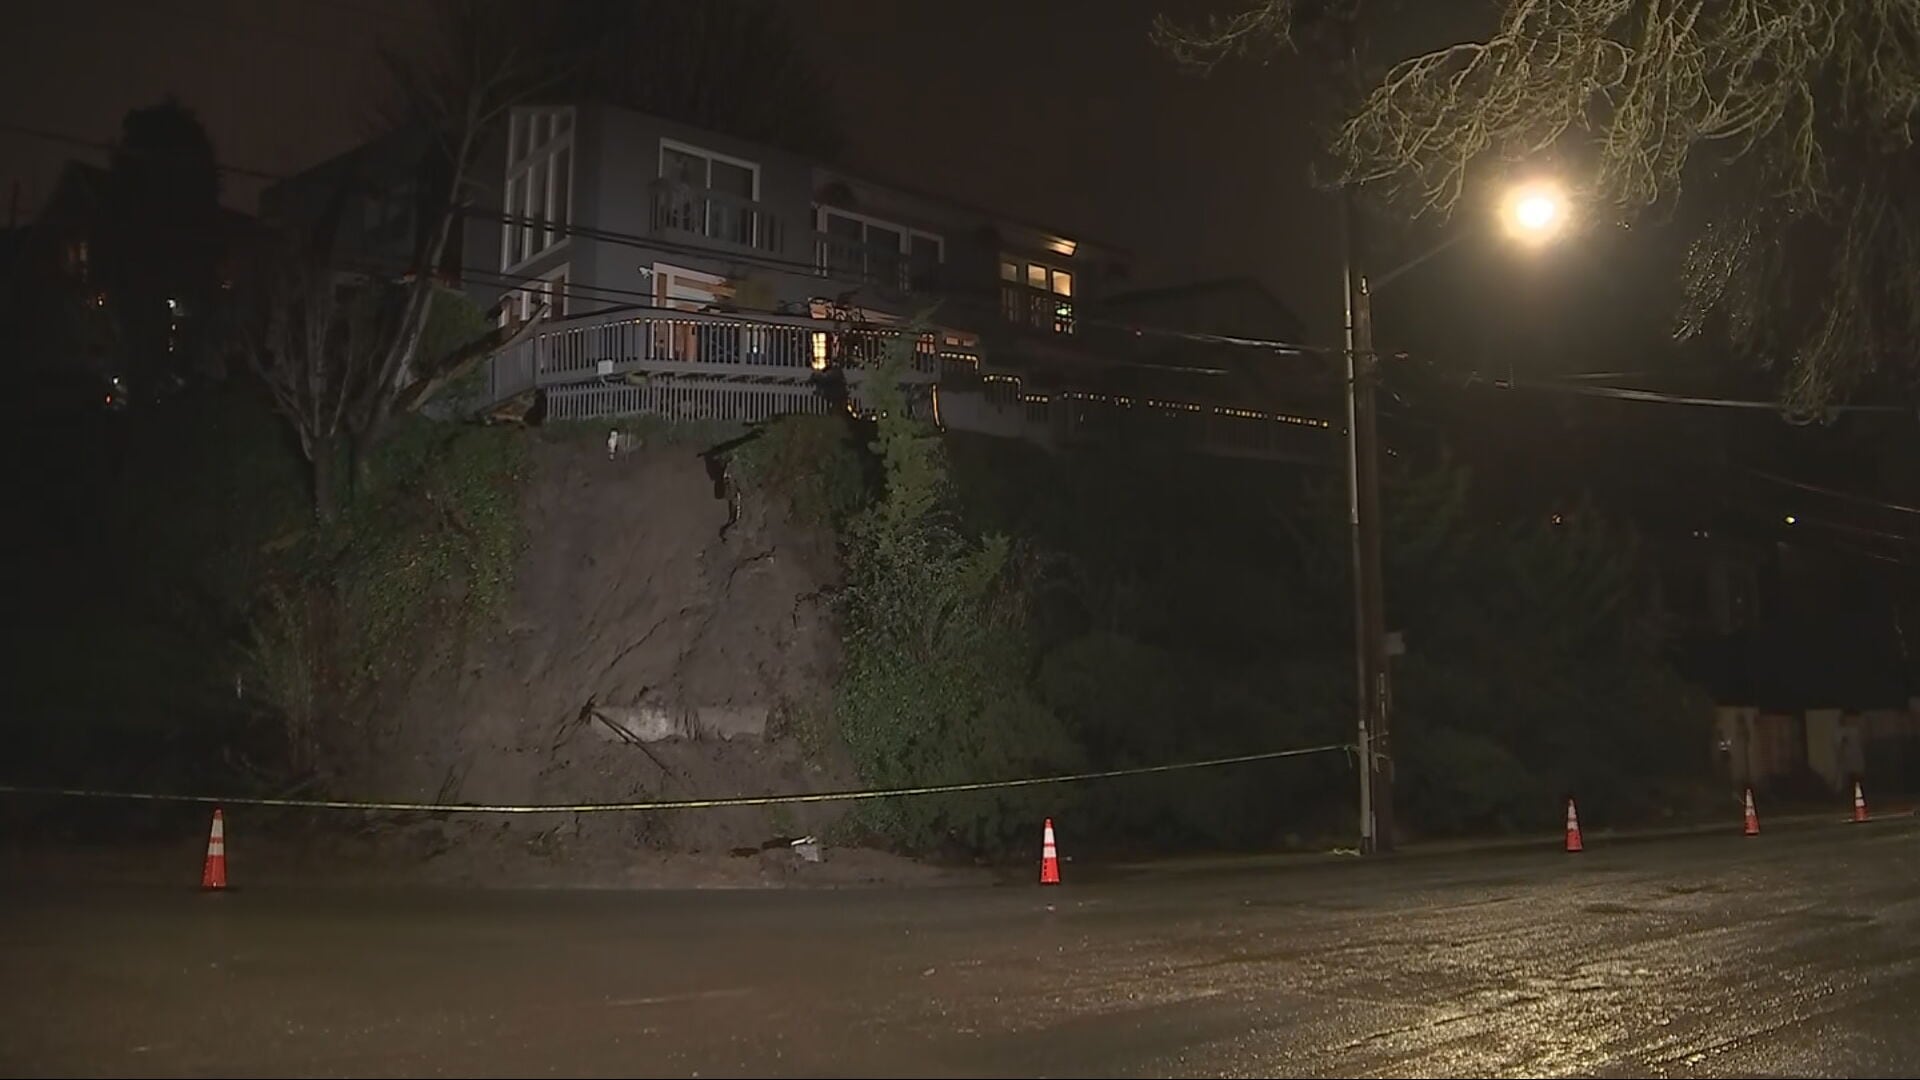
[(1209, 307), (995, 217)]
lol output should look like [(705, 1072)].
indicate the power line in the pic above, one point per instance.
[(583, 290), (814, 269), (1624, 393), (1831, 492)]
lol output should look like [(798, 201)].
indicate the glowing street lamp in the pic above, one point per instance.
[(1536, 212)]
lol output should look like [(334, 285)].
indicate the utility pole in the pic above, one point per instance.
[(1363, 519)]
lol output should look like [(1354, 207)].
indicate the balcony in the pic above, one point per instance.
[(1035, 309), (715, 218), (782, 356), (853, 260)]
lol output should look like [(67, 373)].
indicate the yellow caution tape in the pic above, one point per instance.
[(668, 804)]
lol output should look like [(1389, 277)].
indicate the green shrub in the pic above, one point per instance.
[(813, 461), (934, 684), (429, 540)]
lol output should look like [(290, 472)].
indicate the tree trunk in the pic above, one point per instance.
[(326, 479)]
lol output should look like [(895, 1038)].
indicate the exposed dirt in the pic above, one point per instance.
[(640, 587)]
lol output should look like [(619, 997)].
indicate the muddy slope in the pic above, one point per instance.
[(663, 641)]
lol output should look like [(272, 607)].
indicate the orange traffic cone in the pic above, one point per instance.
[(1859, 803), (214, 876), (1753, 819), (1573, 829), (1049, 856)]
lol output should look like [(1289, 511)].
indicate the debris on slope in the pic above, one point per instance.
[(655, 648)]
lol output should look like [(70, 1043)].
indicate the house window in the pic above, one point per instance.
[(704, 340), (854, 245), (539, 191), (548, 291), (688, 290), (1036, 295), (711, 194)]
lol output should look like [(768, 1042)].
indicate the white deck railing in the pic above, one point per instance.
[(758, 348)]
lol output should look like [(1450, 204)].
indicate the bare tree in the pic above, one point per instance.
[(339, 348), (1790, 121)]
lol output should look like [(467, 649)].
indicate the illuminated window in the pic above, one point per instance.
[(1036, 295), (539, 187)]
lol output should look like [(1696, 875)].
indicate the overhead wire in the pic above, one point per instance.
[(1624, 393), (1834, 493)]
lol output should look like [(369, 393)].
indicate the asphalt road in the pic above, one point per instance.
[(1795, 953)]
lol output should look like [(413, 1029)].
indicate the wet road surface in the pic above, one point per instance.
[(1794, 953)]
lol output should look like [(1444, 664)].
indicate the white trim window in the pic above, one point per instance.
[(687, 290), (1036, 294), (538, 200), (856, 245), (711, 194), (547, 290)]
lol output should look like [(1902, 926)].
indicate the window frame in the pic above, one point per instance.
[(1021, 280), (520, 303), (907, 232), (823, 214), (525, 157), (711, 156), (666, 275)]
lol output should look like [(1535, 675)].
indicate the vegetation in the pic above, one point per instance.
[(152, 531), (1196, 608), (1007, 613), (342, 348), (935, 681), (1790, 121), (1013, 612), (814, 462), (159, 241), (430, 542)]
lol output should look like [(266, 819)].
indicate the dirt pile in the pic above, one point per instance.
[(665, 640)]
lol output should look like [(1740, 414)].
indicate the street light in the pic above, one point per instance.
[(1533, 213)]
